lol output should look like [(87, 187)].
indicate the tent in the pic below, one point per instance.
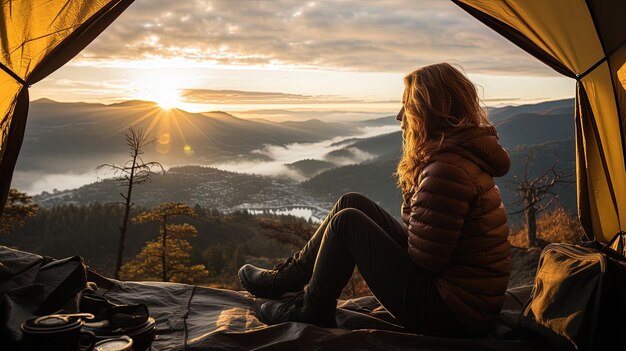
[(36, 39), (584, 40), (580, 39)]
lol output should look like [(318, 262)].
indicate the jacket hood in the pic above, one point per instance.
[(479, 145)]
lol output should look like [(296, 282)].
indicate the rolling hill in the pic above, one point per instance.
[(564, 106), (73, 138), (542, 128), (62, 136), (309, 168)]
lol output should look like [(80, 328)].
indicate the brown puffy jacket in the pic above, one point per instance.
[(458, 228)]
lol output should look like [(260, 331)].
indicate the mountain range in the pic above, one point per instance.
[(69, 136), (76, 137)]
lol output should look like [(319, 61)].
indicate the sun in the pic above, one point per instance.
[(166, 97), (168, 89)]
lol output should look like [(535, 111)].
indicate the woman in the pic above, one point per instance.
[(444, 271)]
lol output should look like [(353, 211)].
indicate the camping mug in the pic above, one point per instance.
[(122, 343), (57, 332)]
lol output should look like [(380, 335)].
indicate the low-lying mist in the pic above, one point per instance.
[(277, 157)]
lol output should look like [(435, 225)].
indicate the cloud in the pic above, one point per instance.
[(379, 36), (114, 84), (34, 182), (84, 90), (278, 156), (225, 97), (306, 114)]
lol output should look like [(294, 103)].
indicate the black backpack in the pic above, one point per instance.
[(32, 285)]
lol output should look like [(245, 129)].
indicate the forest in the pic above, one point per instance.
[(91, 231), (221, 242)]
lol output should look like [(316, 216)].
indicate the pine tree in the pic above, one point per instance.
[(19, 206), (168, 257)]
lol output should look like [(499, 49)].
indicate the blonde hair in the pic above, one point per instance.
[(438, 100)]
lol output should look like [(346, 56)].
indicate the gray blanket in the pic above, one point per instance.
[(198, 318)]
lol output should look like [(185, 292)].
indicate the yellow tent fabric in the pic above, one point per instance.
[(584, 40), (36, 38), (580, 39)]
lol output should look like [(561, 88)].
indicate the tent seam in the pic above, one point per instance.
[(14, 75), (619, 121), (607, 174), (605, 58), (185, 330)]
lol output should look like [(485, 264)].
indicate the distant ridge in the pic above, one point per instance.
[(44, 101), (381, 121), (132, 103), (547, 107), (309, 167)]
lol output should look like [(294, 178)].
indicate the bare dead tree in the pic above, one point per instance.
[(133, 172), (536, 194)]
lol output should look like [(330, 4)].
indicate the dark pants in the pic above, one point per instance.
[(357, 231)]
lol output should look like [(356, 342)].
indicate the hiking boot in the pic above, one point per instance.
[(272, 283), (297, 308)]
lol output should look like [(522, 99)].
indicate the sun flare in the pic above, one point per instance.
[(166, 97), (164, 90)]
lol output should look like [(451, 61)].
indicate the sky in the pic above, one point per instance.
[(262, 58)]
